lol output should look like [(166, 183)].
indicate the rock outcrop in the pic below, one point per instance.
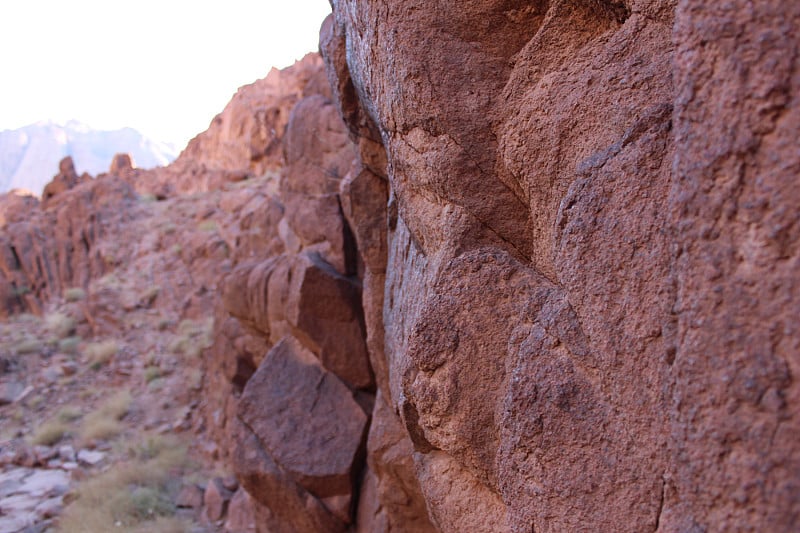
[(514, 267), (592, 256)]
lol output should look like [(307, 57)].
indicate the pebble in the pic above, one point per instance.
[(90, 457), (66, 453), (10, 392)]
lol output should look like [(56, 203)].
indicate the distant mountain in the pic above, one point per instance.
[(29, 155)]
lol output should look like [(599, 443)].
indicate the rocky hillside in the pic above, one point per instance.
[(495, 267), (28, 155)]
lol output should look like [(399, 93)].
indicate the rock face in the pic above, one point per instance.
[(56, 245), (516, 267), (592, 256)]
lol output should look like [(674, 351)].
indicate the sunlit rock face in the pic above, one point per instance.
[(592, 250), (491, 266)]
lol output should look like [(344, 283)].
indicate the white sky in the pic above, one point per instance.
[(163, 67)]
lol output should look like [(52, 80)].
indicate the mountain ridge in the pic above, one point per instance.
[(29, 154)]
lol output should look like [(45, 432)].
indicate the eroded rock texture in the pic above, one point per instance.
[(589, 295)]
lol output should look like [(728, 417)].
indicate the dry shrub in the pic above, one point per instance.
[(151, 373), (59, 324), (104, 423), (49, 432), (27, 346), (193, 337), (69, 413), (74, 294), (69, 344), (100, 353), (134, 495)]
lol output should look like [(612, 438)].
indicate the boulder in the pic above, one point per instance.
[(309, 424)]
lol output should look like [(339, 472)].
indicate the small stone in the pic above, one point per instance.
[(216, 499), (19, 503), (44, 453), (211, 449), (69, 465), (14, 522), (10, 392), (7, 457), (90, 457), (69, 368), (51, 374), (66, 453), (16, 474), (190, 496), (9, 487)]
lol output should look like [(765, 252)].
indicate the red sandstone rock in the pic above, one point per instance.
[(586, 316), (65, 180), (241, 516), (392, 483), (191, 496), (308, 422), (216, 499), (279, 504)]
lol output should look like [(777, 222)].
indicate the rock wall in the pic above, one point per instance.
[(518, 266), (590, 280)]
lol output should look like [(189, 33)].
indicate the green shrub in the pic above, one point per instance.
[(74, 294), (133, 495)]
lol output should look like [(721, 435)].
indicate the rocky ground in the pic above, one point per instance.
[(109, 287), (114, 369)]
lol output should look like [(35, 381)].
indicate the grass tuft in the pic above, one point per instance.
[(134, 495), (28, 346), (74, 294), (50, 432), (59, 324), (104, 423), (100, 353), (69, 344)]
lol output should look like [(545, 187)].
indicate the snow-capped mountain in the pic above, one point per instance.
[(29, 155)]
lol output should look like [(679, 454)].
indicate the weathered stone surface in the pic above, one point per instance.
[(190, 496), (398, 503), (280, 504), (216, 499), (241, 516), (307, 421), (66, 179), (591, 235), (318, 155), (303, 296), (59, 247), (10, 391)]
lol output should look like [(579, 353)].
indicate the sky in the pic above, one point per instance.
[(163, 67)]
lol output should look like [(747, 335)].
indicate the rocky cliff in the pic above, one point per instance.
[(590, 278), (519, 266)]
